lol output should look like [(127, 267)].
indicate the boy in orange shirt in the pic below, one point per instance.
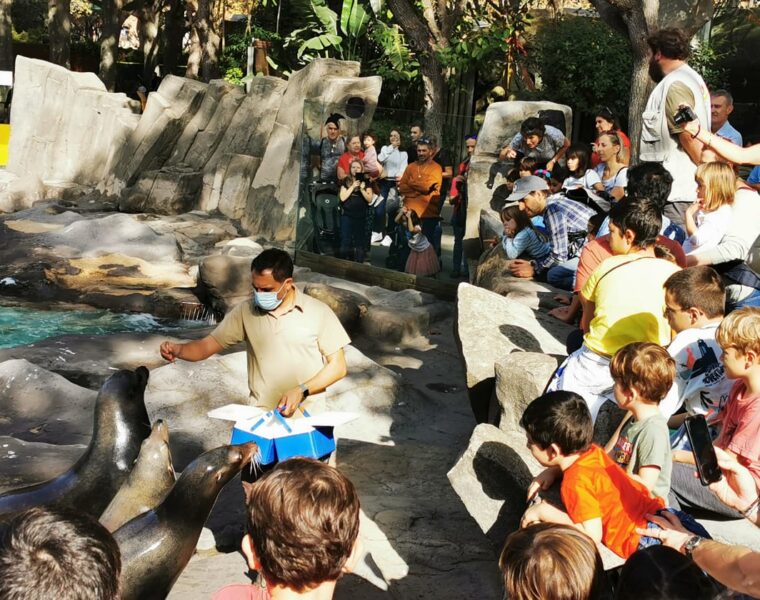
[(599, 497)]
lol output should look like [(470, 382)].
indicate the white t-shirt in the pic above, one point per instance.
[(700, 384), (589, 180), (619, 180), (711, 227)]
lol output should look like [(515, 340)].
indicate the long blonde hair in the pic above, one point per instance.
[(719, 181)]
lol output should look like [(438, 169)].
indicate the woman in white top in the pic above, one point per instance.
[(612, 170), (394, 161)]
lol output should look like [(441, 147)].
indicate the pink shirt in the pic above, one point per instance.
[(241, 591), (740, 433)]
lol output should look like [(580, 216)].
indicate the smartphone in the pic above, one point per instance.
[(702, 448)]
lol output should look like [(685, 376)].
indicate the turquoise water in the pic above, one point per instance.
[(24, 325)]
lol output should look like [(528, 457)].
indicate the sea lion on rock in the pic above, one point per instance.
[(157, 545), (121, 424), (148, 483)]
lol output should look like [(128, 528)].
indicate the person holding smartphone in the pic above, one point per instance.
[(739, 337)]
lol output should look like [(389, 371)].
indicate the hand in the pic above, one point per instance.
[(170, 351), (532, 515), (432, 188), (460, 178), (691, 127), (509, 232), (522, 268), (737, 488), (542, 482), (693, 208), (491, 242), (511, 153), (290, 401), (672, 534), (562, 313), (550, 165)]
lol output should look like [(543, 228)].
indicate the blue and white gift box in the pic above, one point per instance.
[(279, 438)]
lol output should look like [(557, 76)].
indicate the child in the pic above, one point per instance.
[(579, 173), (708, 218), (599, 497), (568, 554), (422, 261), (556, 177), (739, 337), (355, 196), (527, 166), (372, 166), (643, 373), (694, 301), (520, 238), (58, 553), (302, 531)]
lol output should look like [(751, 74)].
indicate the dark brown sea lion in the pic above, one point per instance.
[(148, 483), (157, 545), (121, 424)]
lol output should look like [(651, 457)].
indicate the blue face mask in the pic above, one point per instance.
[(267, 300)]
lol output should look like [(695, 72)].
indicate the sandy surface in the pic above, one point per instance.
[(417, 531)]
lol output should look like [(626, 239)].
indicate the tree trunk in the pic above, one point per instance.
[(6, 36), (195, 50), (641, 85), (59, 31), (203, 58), (436, 93), (213, 41), (174, 25), (109, 42), (148, 16)]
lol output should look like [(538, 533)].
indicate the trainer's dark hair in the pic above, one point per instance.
[(275, 259), (303, 519), (661, 573), (650, 180), (672, 43), (532, 126), (641, 216), (698, 287), (59, 554), (560, 418)]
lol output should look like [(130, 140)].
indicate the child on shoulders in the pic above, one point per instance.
[(300, 547), (694, 304), (643, 373)]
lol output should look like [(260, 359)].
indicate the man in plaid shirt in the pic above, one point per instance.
[(566, 223)]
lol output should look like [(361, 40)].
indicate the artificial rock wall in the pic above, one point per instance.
[(213, 147)]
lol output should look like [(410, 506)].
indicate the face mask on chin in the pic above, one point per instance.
[(267, 301)]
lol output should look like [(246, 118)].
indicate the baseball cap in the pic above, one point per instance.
[(526, 185)]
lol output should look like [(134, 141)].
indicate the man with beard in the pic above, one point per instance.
[(662, 139)]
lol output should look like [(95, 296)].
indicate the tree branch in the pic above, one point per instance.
[(611, 15)]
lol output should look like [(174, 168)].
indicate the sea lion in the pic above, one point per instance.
[(157, 545), (120, 425), (148, 483)]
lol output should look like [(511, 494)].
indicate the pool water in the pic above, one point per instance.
[(24, 325)]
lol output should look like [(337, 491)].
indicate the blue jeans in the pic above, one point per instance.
[(563, 274), (353, 238), (689, 523), (459, 262)]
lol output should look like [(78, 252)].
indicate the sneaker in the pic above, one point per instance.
[(376, 237), (387, 241)]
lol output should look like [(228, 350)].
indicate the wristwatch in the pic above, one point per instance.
[(691, 544), (304, 390)]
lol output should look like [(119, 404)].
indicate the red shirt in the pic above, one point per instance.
[(241, 591), (595, 160), (740, 432), (595, 487), (344, 162)]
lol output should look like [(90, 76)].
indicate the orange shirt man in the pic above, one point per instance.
[(420, 184)]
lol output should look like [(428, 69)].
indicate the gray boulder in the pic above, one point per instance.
[(171, 190), (521, 377), (349, 306), (226, 279), (489, 328)]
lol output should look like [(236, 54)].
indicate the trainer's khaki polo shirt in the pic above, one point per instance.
[(283, 351)]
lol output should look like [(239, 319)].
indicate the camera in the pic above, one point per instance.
[(684, 115), (361, 177)]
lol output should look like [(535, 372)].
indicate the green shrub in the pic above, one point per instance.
[(582, 63)]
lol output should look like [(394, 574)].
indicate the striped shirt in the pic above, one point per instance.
[(527, 242), (566, 223)]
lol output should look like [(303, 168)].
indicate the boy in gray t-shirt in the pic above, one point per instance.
[(643, 373)]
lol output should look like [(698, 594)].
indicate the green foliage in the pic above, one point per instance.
[(395, 62), (234, 75), (34, 35), (582, 63), (706, 60), (28, 15)]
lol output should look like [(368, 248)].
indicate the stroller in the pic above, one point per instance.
[(324, 203)]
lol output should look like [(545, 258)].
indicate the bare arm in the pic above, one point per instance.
[(190, 351), (341, 173), (560, 153), (345, 192), (613, 440), (617, 192), (333, 370), (692, 146), (367, 193), (728, 150), (588, 313)]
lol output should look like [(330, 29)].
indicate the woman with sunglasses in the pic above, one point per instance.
[(606, 122)]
